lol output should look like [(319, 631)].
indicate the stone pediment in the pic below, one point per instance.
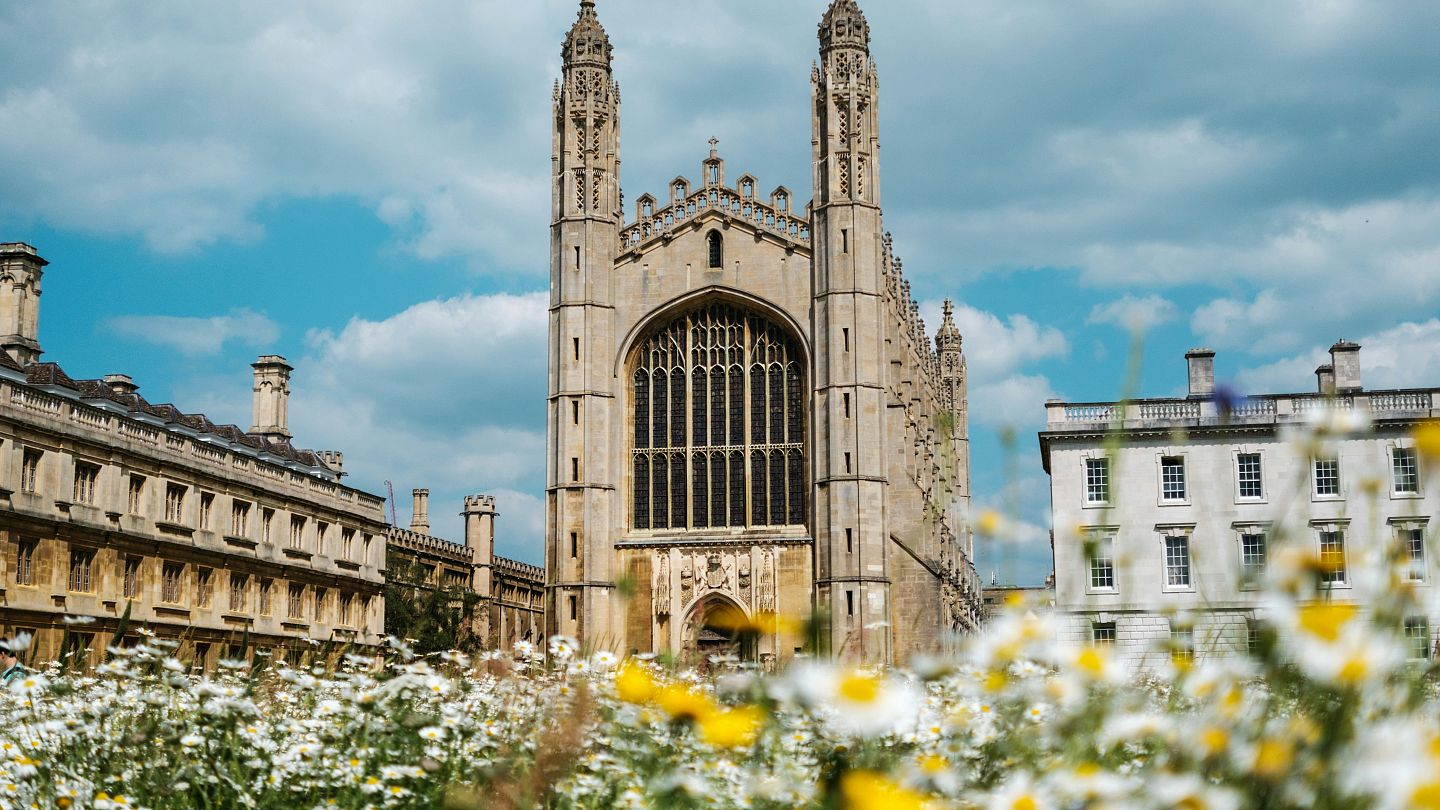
[(714, 203)]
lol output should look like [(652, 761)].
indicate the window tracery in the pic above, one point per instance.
[(718, 416)]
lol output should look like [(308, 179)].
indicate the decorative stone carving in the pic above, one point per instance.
[(662, 585), (717, 572), (744, 565), (767, 580), (687, 578)]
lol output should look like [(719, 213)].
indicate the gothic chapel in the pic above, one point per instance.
[(746, 415)]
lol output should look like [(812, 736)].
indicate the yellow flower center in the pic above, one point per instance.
[(732, 728), (1426, 796), (1325, 621), (867, 790), (634, 685), (859, 688), (1354, 670), (1091, 661), (1273, 758), (1025, 802), (1427, 439), (1215, 739)]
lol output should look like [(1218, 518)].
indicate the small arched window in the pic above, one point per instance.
[(716, 255)]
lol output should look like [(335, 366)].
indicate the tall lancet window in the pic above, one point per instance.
[(717, 253), (718, 424)]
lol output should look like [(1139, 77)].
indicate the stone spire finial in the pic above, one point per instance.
[(844, 26), (714, 144), (586, 44), (949, 335)]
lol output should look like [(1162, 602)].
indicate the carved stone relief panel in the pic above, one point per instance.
[(661, 588)]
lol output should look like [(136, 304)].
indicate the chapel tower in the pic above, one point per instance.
[(581, 470), (852, 582)]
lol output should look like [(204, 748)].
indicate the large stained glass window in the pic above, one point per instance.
[(719, 424)]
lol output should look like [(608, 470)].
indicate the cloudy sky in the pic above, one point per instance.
[(362, 187)]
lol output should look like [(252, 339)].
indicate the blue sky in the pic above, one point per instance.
[(362, 187)]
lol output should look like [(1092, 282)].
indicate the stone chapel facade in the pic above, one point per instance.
[(746, 414)]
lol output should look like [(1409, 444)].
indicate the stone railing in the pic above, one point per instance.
[(1316, 402), (1170, 409), (1402, 400), (35, 400), (762, 215), (1275, 407)]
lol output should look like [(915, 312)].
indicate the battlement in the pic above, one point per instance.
[(480, 503), (774, 217), (418, 543), (334, 459), (514, 569), (11, 248)]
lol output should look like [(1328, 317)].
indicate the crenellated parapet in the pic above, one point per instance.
[(479, 504), (427, 545), (773, 216)]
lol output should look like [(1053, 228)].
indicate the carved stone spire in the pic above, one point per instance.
[(844, 26), (587, 43), (948, 338)]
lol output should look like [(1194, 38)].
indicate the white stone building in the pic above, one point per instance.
[(1167, 510)]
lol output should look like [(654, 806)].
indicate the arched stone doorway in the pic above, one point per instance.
[(715, 627)]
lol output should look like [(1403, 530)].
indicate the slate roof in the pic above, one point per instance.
[(50, 374)]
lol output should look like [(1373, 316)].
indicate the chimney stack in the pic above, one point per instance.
[(271, 411), (120, 384), (1201, 366), (20, 271), (420, 511), (1345, 357), (1325, 378)]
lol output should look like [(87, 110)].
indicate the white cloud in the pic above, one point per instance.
[(1135, 314), (997, 350), (197, 335), (1014, 401), (995, 346), (1406, 355), (447, 394), (1331, 270)]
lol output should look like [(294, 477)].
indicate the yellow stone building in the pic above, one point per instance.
[(203, 532), (509, 594), (746, 414)]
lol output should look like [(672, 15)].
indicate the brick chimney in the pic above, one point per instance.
[(420, 511), (1345, 357), (20, 271), (1200, 364), (120, 384), (271, 410)]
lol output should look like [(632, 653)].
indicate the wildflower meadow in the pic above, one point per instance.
[(1329, 708)]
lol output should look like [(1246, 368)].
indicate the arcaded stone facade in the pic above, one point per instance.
[(510, 594), (1168, 511), (203, 532), (746, 415)]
